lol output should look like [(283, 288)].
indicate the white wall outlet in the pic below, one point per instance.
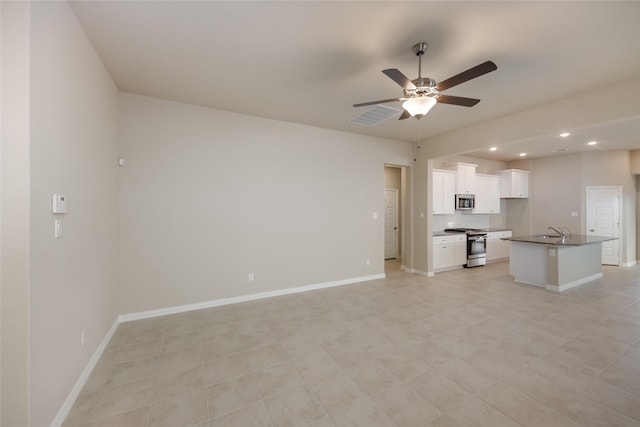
[(574, 213), (374, 215), (368, 261), (83, 337), (251, 277), (422, 215), (121, 161)]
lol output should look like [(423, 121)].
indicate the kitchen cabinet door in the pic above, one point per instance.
[(444, 187), (465, 177), (460, 253), (443, 256), (449, 251), (497, 248), (487, 194), (514, 184)]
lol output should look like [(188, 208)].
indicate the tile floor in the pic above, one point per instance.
[(464, 348)]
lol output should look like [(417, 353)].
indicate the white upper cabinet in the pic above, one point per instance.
[(487, 194), (444, 191), (466, 177), (514, 183)]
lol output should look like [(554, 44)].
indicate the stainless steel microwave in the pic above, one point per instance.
[(465, 202)]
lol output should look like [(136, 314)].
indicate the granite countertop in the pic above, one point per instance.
[(487, 230), (446, 233), (551, 239)]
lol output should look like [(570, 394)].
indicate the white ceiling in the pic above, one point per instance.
[(309, 61)]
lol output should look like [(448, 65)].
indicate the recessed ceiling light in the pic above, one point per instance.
[(523, 154), (592, 142), (565, 134), (493, 148)]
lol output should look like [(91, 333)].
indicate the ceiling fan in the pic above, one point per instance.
[(421, 94)]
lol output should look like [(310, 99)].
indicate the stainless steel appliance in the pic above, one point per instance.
[(465, 202), (476, 245)]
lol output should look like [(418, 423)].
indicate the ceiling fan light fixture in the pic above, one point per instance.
[(419, 105)]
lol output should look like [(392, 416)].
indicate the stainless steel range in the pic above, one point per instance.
[(476, 245)]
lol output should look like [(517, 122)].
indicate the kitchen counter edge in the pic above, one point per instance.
[(573, 240), (485, 230)]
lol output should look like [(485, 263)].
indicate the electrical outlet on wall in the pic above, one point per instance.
[(83, 337), (251, 277)]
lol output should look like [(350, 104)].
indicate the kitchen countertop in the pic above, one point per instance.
[(572, 240), (446, 233), (487, 230)]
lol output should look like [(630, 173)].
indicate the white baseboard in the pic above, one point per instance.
[(418, 272), (77, 388), (573, 284), (629, 263), (243, 298)]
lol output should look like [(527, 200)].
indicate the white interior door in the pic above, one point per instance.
[(390, 223), (603, 219)]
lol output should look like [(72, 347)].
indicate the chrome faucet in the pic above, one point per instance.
[(560, 231)]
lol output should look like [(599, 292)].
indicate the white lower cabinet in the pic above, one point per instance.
[(496, 248), (449, 251)]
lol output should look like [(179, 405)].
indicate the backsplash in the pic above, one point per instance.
[(457, 220)]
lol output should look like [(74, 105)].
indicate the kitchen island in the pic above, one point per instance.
[(554, 262)]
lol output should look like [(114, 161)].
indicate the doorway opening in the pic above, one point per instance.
[(395, 210)]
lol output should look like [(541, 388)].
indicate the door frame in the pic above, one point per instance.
[(620, 194)]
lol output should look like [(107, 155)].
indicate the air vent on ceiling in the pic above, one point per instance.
[(375, 115)]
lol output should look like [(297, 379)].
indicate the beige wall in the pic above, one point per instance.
[(207, 197), (635, 161), (556, 192), (68, 146), (14, 214), (484, 165), (392, 178)]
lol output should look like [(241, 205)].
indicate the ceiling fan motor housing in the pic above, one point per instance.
[(420, 48), (424, 86)]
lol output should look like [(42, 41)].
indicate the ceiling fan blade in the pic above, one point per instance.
[(405, 115), (471, 73), (457, 100), (397, 76), (382, 101)]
